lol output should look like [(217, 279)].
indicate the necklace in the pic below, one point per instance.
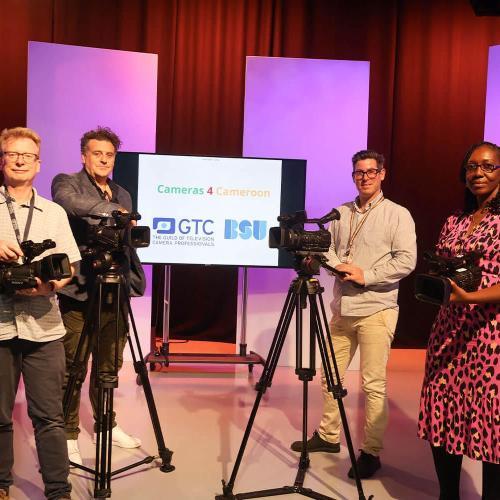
[(347, 257), (477, 217)]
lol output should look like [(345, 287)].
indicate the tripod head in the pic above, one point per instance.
[(308, 264)]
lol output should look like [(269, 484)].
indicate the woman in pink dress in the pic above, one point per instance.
[(460, 405)]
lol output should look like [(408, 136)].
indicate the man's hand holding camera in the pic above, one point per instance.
[(42, 288), (10, 251), (352, 273)]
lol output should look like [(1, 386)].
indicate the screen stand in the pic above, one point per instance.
[(163, 356)]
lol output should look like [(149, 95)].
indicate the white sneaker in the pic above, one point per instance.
[(122, 439), (74, 452)]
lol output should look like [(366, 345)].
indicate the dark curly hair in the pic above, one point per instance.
[(470, 202), (368, 154), (100, 134)]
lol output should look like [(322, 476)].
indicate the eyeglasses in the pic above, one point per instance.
[(14, 156), (485, 167), (100, 154), (371, 173)]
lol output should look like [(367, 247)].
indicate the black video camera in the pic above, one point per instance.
[(435, 287), (307, 246), (15, 276), (292, 236), (115, 232), (108, 239)]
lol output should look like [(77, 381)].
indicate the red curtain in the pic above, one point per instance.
[(427, 96)]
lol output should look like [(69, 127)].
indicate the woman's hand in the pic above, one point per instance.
[(458, 294), (490, 295)]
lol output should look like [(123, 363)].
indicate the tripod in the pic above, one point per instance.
[(110, 290), (303, 289)]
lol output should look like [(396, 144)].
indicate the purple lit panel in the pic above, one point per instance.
[(73, 89), (492, 117), (309, 109)]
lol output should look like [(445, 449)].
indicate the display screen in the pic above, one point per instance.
[(211, 210)]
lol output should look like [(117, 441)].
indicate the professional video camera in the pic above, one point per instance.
[(108, 239), (307, 246), (435, 287), (15, 276), (115, 232)]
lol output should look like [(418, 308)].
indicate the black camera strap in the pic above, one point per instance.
[(12, 213)]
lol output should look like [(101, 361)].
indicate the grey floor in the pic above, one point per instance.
[(204, 411)]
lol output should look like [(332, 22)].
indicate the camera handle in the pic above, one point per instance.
[(303, 290), (107, 381)]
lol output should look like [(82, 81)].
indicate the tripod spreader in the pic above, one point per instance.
[(111, 291), (303, 290)]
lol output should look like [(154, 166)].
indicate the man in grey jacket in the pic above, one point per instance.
[(374, 245), (86, 196)]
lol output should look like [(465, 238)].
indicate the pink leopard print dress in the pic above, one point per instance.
[(459, 404)]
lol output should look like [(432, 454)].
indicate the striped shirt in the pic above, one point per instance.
[(35, 318), (384, 248)]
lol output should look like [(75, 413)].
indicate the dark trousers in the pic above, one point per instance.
[(448, 468), (73, 314), (42, 367)]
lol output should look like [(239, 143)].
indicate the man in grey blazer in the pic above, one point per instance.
[(83, 195)]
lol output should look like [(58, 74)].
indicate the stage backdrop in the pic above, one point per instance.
[(492, 115), (428, 69), (310, 109), (74, 89)]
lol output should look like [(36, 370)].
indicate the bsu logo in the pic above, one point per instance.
[(245, 229)]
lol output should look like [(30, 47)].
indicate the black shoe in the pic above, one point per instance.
[(316, 443), (367, 465)]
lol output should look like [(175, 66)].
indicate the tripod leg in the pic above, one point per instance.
[(141, 370), (334, 385), (102, 478), (262, 385), (81, 357), (305, 374), (106, 382)]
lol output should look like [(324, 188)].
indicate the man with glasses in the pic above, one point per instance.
[(31, 328), (84, 194), (374, 245)]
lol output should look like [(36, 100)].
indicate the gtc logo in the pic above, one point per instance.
[(245, 229), (169, 225), (164, 225)]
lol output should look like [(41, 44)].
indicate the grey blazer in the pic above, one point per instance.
[(81, 198)]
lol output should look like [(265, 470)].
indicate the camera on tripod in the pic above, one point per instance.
[(435, 287), (291, 235), (15, 276), (111, 236), (308, 247)]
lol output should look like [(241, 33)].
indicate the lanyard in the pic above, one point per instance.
[(359, 225), (15, 225)]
